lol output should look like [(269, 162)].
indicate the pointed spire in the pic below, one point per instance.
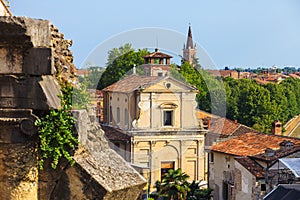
[(189, 42)]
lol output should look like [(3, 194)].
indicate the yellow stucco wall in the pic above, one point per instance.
[(187, 153)]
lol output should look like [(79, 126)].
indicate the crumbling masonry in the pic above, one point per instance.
[(33, 56)]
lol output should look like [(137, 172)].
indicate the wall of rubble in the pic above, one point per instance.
[(34, 58)]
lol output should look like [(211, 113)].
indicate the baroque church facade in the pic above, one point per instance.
[(151, 120)]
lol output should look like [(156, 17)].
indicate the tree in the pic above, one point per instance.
[(174, 185), (120, 66), (196, 193), (117, 52)]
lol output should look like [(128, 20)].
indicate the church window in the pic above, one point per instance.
[(168, 118)]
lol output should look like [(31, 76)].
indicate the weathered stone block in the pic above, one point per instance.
[(39, 93), (23, 28), (38, 61), (16, 126), (25, 46), (10, 61)]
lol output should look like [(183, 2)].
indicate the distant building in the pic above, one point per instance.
[(295, 75), (239, 168), (189, 49), (224, 73), (96, 103)]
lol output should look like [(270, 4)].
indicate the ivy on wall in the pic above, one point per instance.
[(56, 131)]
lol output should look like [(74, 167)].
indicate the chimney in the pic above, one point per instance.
[(276, 127), (269, 152), (134, 69)]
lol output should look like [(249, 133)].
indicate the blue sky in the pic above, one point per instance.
[(236, 33)]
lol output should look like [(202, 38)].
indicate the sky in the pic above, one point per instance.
[(244, 33)]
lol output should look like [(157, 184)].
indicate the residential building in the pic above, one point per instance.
[(239, 168), (224, 73), (284, 192), (96, 103)]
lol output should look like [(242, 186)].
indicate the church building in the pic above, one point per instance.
[(189, 49), (151, 122)]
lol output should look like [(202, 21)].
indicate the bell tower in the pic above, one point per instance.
[(189, 49)]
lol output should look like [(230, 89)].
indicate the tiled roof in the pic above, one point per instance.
[(277, 154), (251, 144), (242, 129), (226, 127), (223, 126), (260, 81), (114, 134), (157, 54), (222, 73), (131, 83), (294, 76), (252, 166), (81, 72)]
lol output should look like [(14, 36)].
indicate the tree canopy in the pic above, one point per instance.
[(120, 62), (175, 186), (245, 100)]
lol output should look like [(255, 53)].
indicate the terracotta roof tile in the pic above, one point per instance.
[(157, 54), (223, 126), (251, 144), (226, 127), (242, 129), (131, 83), (277, 154), (222, 73), (252, 166), (294, 76), (260, 81), (114, 134)]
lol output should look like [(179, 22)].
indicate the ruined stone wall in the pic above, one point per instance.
[(99, 172), (63, 56), (34, 58), (26, 85)]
